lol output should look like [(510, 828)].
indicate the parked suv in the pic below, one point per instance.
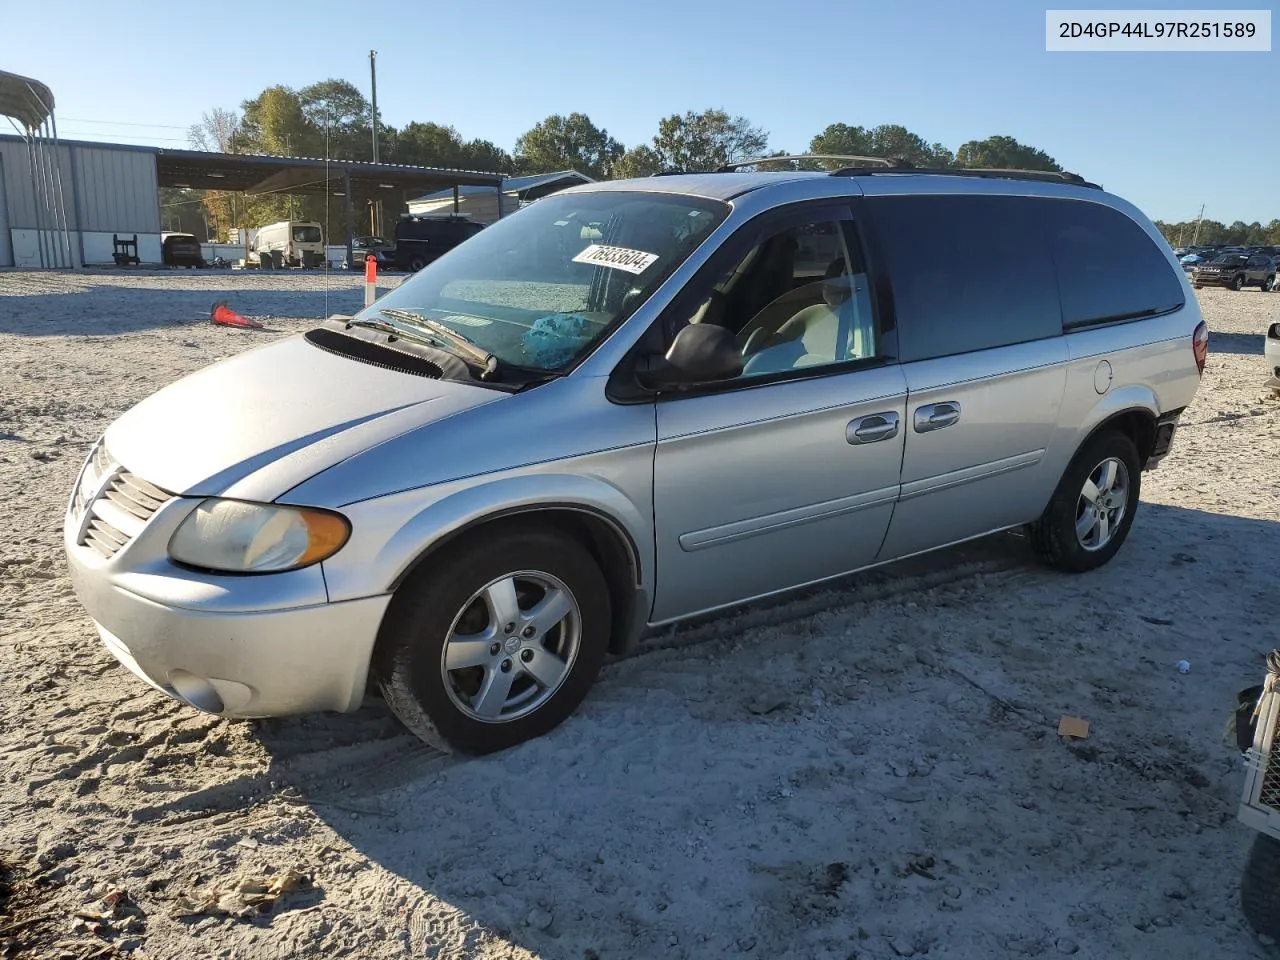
[(1237, 271), (625, 405), (421, 240)]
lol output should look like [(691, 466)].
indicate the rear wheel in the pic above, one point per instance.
[(1260, 886), (416, 264), (496, 641), (1268, 284), (1238, 282), (1093, 507)]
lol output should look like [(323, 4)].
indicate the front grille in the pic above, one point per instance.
[(118, 513)]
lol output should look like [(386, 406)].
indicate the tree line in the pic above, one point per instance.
[(1211, 231), (333, 118)]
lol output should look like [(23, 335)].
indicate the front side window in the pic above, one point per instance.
[(306, 234), (537, 289), (800, 298)]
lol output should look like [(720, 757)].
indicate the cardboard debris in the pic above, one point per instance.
[(1073, 727), (243, 896)]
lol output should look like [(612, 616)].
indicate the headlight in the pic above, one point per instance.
[(238, 537)]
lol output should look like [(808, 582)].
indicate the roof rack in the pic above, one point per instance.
[(1046, 176), (891, 162)]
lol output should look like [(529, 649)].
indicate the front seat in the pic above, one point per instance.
[(814, 334)]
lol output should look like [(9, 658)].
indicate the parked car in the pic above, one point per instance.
[(421, 240), (181, 250), (1271, 350), (383, 251), (560, 437), (1237, 271)]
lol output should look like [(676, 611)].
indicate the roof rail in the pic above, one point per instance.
[(891, 162), (1046, 176)]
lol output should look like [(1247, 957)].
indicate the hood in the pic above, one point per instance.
[(259, 423)]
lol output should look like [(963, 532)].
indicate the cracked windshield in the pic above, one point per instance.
[(539, 288)]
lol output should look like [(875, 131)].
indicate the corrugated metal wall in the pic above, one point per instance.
[(105, 190), (116, 190), (20, 191)]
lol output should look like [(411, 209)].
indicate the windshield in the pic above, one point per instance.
[(539, 288), (306, 234)]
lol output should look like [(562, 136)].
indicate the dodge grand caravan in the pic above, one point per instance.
[(625, 405)]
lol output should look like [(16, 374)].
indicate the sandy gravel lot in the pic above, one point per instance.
[(907, 797)]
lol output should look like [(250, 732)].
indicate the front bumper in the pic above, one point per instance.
[(1213, 280), (248, 646), (257, 664)]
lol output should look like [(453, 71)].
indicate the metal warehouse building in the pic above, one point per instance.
[(106, 191), (63, 203)]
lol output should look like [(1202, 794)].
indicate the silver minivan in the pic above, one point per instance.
[(627, 404)]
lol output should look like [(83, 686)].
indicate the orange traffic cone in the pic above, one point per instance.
[(225, 316)]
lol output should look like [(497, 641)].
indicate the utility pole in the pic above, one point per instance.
[(373, 85), (373, 91)]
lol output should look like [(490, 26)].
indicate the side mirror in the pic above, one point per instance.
[(701, 353)]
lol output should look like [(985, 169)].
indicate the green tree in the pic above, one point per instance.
[(567, 143), (641, 161), (888, 140), (484, 155), (707, 140), (1004, 153), (340, 117), (427, 145)]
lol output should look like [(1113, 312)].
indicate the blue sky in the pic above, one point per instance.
[(1168, 131)]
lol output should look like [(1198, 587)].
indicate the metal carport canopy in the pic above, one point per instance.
[(255, 174), (24, 99)]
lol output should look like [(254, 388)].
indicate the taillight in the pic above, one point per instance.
[(1200, 346)]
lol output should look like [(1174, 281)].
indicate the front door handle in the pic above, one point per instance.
[(873, 427), (935, 416)]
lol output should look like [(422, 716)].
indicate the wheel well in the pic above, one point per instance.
[(610, 546), (1138, 425)]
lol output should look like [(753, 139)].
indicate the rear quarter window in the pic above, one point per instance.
[(967, 272), (1108, 267)]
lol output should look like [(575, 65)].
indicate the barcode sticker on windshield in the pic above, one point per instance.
[(620, 258)]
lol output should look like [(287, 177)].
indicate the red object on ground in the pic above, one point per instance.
[(370, 269), (225, 316)]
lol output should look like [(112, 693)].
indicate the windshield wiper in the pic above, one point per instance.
[(479, 357)]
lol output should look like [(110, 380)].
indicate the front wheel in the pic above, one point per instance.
[(1093, 507), (1238, 282), (1268, 284), (494, 642), (416, 264)]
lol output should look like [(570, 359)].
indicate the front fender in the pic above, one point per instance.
[(391, 533)]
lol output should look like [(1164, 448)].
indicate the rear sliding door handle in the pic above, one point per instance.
[(872, 427), (935, 416)]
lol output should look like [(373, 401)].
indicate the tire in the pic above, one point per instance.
[(442, 705), (1055, 537), (416, 264), (1268, 284), (1260, 886), (1237, 284)]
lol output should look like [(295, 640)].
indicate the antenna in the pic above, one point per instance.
[(373, 97)]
